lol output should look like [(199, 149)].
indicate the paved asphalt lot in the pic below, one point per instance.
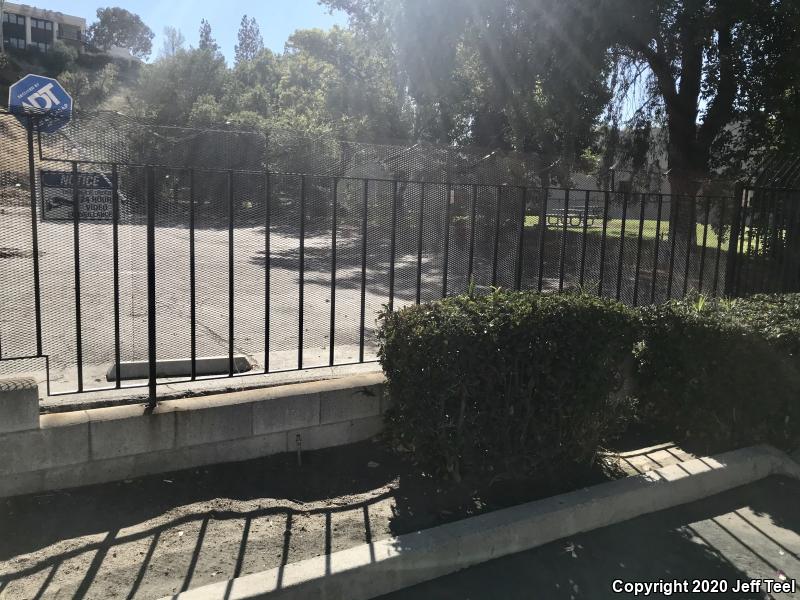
[(751, 532), (173, 295)]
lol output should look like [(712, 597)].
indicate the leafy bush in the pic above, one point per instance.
[(774, 317), (513, 382), (719, 372)]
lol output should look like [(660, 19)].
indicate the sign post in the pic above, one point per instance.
[(39, 95)]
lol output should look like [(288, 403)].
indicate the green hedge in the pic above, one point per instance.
[(774, 317), (512, 382), (525, 383), (721, 373)]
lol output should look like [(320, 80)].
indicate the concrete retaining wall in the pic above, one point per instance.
[(63, 450)]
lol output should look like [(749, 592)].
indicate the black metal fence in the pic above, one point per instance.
[(768, 251), (113, 264)]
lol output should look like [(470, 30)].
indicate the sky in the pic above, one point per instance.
[(277, 19)]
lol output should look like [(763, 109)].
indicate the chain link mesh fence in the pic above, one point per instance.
[(284, 248)]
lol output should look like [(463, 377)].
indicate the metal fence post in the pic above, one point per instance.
[(362, 312), (151, 286), (393, 246), (115, 252), (302, 276), (76, 248), (267, 265), (334, 226), (731, 267), (446, 258), (419, 240), (496, 236), (192, 278), (37, 296), (521, 240)]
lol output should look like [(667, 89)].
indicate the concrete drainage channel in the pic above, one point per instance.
[(392, 564)]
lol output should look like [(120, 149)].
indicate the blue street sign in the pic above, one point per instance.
[(35, 94)]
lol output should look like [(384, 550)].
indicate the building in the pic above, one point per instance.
[(27, 27), (30, 28)]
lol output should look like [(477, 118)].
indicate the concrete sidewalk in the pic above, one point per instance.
[(751, 532)]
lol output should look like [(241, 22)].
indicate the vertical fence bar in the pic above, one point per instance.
[(363, 271), (446, 240), (778, 228), (563, 257), (621, 260), (788, 219), (691, 235), (757, 260), (192, 277), (706, 210), (606, 199), (719, 243), (543, 231), (745, 209), (115, 258), (473, 204), (37, 291), (583, 238), (77, 269), (674, 205), (770, 208), (639, 250), (302, 282), (496, 236), (788, 250), (521, 239), (334, 226), (419, 240), (150, 186), (231, 216), (267, 265), (392, 244), (751, 227), (655, 250)]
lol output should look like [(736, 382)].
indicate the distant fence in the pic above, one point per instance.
[(106, 263)]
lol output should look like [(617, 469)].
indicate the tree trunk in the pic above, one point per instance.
[(687, 168)]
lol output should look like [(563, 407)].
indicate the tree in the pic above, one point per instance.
[(521, 75), (116, 26), (169, 88), (337, 80), (207, 41), (710, 65), (250, 40), (90, 88), (173, 42)]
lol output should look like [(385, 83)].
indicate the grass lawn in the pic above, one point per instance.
[(614, 230)]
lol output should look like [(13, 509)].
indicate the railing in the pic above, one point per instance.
[(157, 262)]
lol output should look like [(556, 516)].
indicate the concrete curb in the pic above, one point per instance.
[(73, 449), (179, 367), (388, 565)]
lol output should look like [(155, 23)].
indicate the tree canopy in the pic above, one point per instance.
[(706, 84), (116, 26), (718, 77)]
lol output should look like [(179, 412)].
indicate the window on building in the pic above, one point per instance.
[(41, 46), (41, 24), (13, 19), (13, 42), (69, 32)]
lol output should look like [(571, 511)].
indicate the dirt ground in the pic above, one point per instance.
[(150, 537)]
